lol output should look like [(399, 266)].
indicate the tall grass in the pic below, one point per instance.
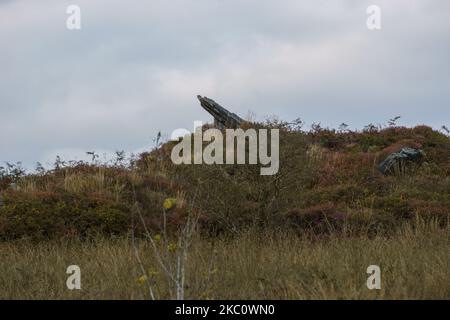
[(414, 264)]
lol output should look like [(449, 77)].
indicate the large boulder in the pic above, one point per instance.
[(398, 160)]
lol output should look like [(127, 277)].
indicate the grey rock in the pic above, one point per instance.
[(222, 117), (399, 159)]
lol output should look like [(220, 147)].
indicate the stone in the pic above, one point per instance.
[(399, 159), (223, 118)]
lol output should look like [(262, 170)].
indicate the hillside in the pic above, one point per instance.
[(328, 179), (149, 229)]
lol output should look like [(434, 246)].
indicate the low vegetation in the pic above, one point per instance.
[(414, 264)]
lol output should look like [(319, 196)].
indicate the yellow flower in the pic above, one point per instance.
[(143, 279), (169, 203), (172, 247), (157, 237)]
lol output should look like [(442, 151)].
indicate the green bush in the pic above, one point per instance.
[(50, 215)]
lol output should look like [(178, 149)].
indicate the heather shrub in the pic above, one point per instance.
[(49, 215)]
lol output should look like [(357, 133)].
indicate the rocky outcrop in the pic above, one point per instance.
[(222, 117)]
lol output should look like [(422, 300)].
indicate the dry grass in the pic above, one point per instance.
[(414, 264)]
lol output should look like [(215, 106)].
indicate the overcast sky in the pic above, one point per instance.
[(136, 67)]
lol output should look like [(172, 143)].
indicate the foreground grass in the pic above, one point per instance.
[(414, 265)]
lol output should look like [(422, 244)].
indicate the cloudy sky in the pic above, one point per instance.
[(136, 67)]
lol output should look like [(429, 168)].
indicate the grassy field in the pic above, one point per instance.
[(414, 265)]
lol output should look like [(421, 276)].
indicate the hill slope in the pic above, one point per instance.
[(328, 181)]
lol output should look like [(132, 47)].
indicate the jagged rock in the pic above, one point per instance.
[(399, 159), (222, 117)]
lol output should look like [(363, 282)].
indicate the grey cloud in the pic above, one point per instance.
[(135, 67)]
